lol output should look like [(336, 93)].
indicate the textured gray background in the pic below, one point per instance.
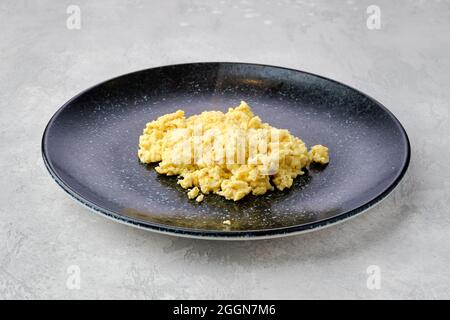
[(405, 65)]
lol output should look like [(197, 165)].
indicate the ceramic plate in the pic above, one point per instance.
[(90, 149)]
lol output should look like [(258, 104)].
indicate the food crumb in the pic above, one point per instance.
[(227, 222), (200, 198), (319, 154), (193, 193)]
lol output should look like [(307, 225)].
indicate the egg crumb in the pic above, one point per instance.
[(193, 192), (231, 154), (319, 154)]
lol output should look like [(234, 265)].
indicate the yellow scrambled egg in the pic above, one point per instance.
[(231, 154)]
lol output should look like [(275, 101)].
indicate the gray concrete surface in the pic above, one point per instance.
[(43, 232)]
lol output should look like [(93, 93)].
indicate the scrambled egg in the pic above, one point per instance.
[(230, 154)]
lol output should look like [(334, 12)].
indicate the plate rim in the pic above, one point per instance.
[(223, 234)]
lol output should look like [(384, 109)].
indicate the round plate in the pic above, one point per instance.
[(90, 149)]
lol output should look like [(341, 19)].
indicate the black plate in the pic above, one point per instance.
[(90, 149)]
